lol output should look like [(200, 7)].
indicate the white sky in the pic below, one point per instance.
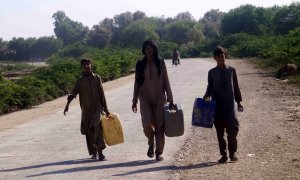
[(33, 18)]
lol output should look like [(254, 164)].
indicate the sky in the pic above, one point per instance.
[(33, 18)]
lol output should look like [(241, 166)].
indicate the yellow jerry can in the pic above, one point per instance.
[(112, 129)]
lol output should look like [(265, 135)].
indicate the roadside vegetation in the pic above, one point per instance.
[(269, 35)]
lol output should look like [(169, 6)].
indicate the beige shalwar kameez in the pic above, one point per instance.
[(92, 102), (152, 95)]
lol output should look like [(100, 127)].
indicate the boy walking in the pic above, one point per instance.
[(224, 89), (93, 103)]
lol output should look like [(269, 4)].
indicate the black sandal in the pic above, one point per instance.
[(94, 156), (158, 156), (150, 152), (101, 157)]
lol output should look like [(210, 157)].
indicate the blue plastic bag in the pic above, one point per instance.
[(203, 113)]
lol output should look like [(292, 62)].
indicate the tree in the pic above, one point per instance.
[(107, 23), (3, 45), (3, 49), (178, 31), (287, 18), (214, 15), (45, 47), (21, 48), (138, 15), (244, 19), (184, 16), (67, 30), (195, 35), (122, 20), (137, 32), (211, 23), (99, 36)]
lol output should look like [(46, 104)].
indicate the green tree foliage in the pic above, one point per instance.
[(178, 31), (99, 36), (195, 35), (3, 49), (67, 30), (166, 49), (44, 47), (3, 45), (285, 49), (21, 47), (135, 33), (245, 19), (47, 83), (287, 18), (184, 16), (12, 96), (212, 23), (244, 45), (72, 51), (122, 20), (138, 15)]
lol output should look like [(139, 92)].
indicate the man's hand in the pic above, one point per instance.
[(134, 108), (66, 110)]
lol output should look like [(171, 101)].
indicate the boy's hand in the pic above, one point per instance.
[(171, 105), (66, 110), (240, 108), (107, 113), (206, 97), (134, 108)]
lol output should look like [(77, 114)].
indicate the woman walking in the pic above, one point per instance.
[(151, 87)]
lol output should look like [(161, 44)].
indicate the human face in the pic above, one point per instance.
[(86, 67), (220, 60), (149, 51)]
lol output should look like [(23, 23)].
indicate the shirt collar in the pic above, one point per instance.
[(88, 75)]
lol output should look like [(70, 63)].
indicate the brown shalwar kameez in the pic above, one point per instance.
[(224, 89), (152, 99), (92, 103)]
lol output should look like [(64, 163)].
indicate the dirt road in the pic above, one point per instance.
[(41, 143), (269, 137)]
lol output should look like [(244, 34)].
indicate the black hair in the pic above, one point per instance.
[(83, 60), (157, 61), (220, 50), (154, 46), (141, 64)]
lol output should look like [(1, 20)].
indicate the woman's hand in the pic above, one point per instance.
[(134, 108)]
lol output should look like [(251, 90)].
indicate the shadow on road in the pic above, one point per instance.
[(90, 168), (70, 162), (171, 168), (99, 167), (127, 164)]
